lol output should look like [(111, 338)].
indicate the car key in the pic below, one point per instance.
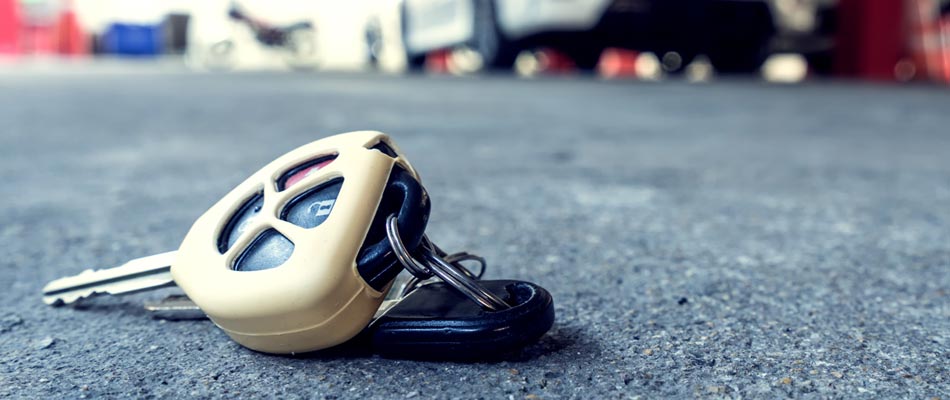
[(296, 257)]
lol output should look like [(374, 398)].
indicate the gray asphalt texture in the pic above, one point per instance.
[(724, 240)]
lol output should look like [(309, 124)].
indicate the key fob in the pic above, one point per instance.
[(437, 322), (295, 258)]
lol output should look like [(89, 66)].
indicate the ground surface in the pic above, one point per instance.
[(725, 240)]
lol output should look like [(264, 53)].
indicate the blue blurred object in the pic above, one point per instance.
[(133, 39)]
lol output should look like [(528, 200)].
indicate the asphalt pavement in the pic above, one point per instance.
[(725, 240)]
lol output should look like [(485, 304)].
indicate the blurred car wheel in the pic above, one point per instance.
[(739, 36), (745, 58), (414, 62), (739, 57), (585, 58), (820, 63), (488, 42)]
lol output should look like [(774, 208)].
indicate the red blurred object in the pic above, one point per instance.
[(870, 40), (37, 28), (438, 61), (945, 46), (70, 38), (551, 61), (927, 44), (38, 39), (49, 28), (618, 63), (9, 27)]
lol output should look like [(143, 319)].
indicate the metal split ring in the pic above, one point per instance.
[(446, 267), (456, 260)]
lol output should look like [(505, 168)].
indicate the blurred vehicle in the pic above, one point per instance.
[(736, 35), (296, 41)]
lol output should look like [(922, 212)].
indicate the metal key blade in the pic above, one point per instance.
[(178, 307), (140, 274), (175, 307)]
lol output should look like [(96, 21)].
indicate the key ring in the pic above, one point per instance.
[(455, 259), (449, 270)]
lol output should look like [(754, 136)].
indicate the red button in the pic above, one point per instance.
[(299, 175)]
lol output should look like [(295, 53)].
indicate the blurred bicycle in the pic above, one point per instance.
[(296, 41)]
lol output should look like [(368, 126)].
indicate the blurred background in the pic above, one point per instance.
[(778, 40)]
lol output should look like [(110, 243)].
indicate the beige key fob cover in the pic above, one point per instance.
[(316, 298)]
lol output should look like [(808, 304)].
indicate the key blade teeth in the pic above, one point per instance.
[(54, 301), (60, 300), (65, 298), (58, 293)]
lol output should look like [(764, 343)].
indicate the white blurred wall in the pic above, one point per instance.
[(340, 24), (342, 33)]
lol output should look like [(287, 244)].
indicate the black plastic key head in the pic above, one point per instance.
[(437, 322)]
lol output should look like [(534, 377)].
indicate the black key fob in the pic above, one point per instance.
[(437, 322)]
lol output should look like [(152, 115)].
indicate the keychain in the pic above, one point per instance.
[(300, 256)]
